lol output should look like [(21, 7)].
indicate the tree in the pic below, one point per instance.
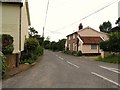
[(117, 28), (61, 44), (105, 27), (112, 44), (114, 41), (32, 31), (47, 44), (118, 22)]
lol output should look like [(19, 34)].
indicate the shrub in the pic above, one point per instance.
[(32, 50), (79, 53), (31, 44), (7, 44), (3, 65)]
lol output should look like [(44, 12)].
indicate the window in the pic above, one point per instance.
[(69, 37), (69, 46), (73, 46), (93, 46), (73, 36)]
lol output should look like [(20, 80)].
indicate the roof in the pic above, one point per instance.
[(72, 34), (12, 1), (88, 27), (91, 40)]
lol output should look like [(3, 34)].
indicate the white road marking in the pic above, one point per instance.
[(106, 79), (110, 69), (61, 58), (72, 64)]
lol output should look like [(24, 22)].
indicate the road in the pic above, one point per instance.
[(58, 70)]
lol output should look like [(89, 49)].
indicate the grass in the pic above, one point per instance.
[(110, 59)]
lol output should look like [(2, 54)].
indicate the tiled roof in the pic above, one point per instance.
[(91, 40)]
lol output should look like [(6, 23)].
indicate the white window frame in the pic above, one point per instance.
[(73, 36), (93, 47), (73, 46), (69, 37), (69, 46)]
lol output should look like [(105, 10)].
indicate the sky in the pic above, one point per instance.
[(64, 16)]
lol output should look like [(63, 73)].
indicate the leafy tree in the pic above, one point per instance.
[(105, 27), (117, 21), (112, 44), (53, 46), (47, 44), (61, 44), (32, 31), (114, 41)]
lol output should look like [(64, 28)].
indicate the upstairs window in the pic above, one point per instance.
[(69, 37), (73, 36)]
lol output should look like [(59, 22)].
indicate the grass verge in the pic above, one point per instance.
[(110, 59)]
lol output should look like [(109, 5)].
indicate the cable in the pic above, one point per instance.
[(87, 16)]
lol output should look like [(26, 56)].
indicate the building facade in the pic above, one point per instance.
[(15, 22), (86, 40)]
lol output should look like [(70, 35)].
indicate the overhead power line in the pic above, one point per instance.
[(87, 15)]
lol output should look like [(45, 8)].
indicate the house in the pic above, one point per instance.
[(15, 22), (86, 40)]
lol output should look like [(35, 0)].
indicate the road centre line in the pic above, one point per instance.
[(72, 64), (61, 58), (106, 79), (110, 69)]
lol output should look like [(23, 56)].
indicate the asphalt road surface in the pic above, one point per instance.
[(58, 70)]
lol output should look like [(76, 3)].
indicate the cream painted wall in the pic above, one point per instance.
[(10, 23), (24, 26), (87, 49)]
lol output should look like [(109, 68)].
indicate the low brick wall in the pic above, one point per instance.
[(105, 54), (12, 61)]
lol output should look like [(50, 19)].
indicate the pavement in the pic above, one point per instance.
[(58, 70), (16, 70)]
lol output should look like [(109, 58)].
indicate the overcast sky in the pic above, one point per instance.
[(62, 13)]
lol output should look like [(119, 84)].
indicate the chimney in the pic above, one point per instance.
[(80, 26)]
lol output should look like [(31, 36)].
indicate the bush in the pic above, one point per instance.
[(3, 65), (32, 50), (31, 44), (75, 53), (7, 44), (79, 53)]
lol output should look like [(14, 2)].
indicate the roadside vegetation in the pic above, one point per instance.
[(112, 44), (74, 53), (54, 46), (33, 47), (6, 42), (110, 59)]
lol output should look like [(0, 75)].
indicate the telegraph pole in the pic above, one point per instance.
[(45, 18)]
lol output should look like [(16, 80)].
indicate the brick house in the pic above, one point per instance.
[(86, 40)]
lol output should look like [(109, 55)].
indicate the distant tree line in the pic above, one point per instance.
[(55, 46)]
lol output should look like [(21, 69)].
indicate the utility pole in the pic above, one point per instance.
[(45, 18)]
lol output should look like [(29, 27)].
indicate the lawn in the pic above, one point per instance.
[(110, 59)]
